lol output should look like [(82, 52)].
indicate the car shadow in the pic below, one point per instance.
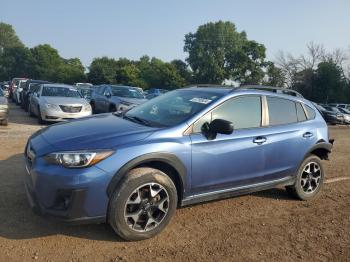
[(17, 115), (19, 222), (275, 193)]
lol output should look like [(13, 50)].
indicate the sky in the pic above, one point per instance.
[(133, 28)]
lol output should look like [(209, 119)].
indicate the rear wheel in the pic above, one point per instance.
[(309, 179), (143, 204)]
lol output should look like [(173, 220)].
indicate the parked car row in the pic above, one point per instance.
[(51, 102), (334, 115), (4, 108)]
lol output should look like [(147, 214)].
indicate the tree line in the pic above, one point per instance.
[(217, 53)]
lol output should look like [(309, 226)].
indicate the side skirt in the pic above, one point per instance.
[(236, 191)]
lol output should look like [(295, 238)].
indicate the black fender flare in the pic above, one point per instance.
[(321, 145), (164, 157)]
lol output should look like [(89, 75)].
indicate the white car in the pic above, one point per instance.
[(19, 89), (58, 102)]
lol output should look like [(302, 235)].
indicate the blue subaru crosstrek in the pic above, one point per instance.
[(184, 147)]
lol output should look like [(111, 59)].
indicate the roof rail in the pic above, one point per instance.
[(210, 85), (273, 89)]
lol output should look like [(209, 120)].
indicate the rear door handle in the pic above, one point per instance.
[(308, 134), (259, 140)]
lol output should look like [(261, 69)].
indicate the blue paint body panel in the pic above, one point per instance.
[(228, 161)]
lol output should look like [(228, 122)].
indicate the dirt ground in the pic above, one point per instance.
[(263, 226)]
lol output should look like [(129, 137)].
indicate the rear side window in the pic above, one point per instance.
[(281, 111), (311, 114), (243, 112), (300, 112)]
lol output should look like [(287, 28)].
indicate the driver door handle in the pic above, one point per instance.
[(259, 140)]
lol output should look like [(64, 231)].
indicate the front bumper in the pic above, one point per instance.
[(50, 115), (74, 196)]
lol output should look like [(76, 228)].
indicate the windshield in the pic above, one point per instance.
[(173, 107), (127, 92), (343, 110), (60, 91), (86, 92), (33, 86)]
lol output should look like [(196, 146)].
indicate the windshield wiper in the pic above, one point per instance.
[(137, 120)]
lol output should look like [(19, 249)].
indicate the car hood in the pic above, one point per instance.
[(104, 131), (3, 100), (134, 101), (63, 100)]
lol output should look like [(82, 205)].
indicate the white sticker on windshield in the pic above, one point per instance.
[(200, 100)]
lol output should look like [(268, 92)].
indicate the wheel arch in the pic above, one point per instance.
[(165, 162), (320, 149)]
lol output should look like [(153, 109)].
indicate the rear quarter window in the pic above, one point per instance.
[(310, 113), (300, 112)]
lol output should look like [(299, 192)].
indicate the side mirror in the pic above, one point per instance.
[(217, 126), (108, 95)]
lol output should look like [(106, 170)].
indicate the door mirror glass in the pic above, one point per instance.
[(217, 126), (107, 94)]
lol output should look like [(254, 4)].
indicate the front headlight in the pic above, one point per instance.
[(87, 107), (52, 107), (77, 159)]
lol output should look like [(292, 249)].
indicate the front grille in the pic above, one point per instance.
[(71, 109)]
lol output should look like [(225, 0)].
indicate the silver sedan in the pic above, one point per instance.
[(57, 102)]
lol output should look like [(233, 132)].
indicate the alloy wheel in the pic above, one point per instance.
[(146, 207), (310, 177)]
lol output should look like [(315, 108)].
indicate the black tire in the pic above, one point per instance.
[(31, 114), (298, 190), (40, 120), (93, 108), (135, 179), (4, 122), (112, 109)]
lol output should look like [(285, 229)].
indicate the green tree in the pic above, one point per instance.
[(129, 74), (8, 37), (103, 71), (216, 51), (183, 70), (274, 76), (47, 61), (304, 83), (158, 74), (71, 71), (330, 83), (16, 61)]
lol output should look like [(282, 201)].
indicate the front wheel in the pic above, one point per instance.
[(40, 119), (143, 204), (309, 180)]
